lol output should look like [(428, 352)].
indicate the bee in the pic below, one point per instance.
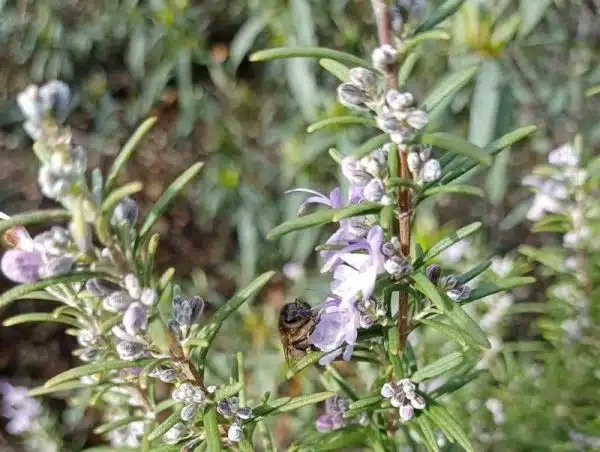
[(296, 323)]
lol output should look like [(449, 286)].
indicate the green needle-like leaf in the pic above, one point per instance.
[(309, 52), (211, 429), (34, 217), (486, 289), (448, 8), (95, 368), (165, 425), (456, 145), (340, 121), (439, 367), (340, 71), (370, 145), (39, 317), (448, 87), (447, 242)]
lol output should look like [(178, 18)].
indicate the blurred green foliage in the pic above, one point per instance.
[(187, 62)]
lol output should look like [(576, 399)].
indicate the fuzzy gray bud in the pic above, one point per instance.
[(459, 292), (126, 212), (135, 318), (352, 96), (174, 328), (398, 101), (432, 170), (363, 78), (174, 434), (244, 413), (417, 119), (168, 375), (384, 56), (433, 273), (188, 412), (389, 123), (354, 172), (59, 265), (130, 351), (235, 433), (187, 312), (117, 301), (414, 162), (374, 190), (448, 282), (148, 297)]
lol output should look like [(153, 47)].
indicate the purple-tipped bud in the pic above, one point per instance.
[(101, 287), (418, 402), (223, 408), (398, 399), (374, 190), (135, 318), (175, 329), (406, 412), (448, 282), (21, 266), (117, 301), (324, 423), (433, 272), (459, 293), (244, 413), (168, 375), (388, 390), (363, 78), (126, 212), (187, 311)]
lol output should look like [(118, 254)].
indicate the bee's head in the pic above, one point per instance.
[(295, 314)]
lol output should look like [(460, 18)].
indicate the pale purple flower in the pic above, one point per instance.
[(18, 408), (293, 271), (357, 276), (332, 419), (334, 200), (565, 155), (337, 325), (135, 318), (21, 266)]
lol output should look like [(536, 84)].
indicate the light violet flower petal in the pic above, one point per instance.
[(21, 266)]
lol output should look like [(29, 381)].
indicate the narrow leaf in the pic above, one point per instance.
[(304, 362), (35, 217), (117, 195), (448, 87), (486, 289), (40, 317), (361, 405), (309, 52), (270, 406), (447, 242), (70, 386), (211, 429), (474, 272), (426, 432), (359, 209), (410, 43), (228, 391), (370, 145), (95, 368), (445, 329), (456, 145), (338, 70), (442, 417), (302, 401), (509, 139), (427, 288), (406, 68), (439, 367), (305, 221), (448, 8), (340, 121), (23, 289), (468, 325), (161, 205), (127, 152), (165, 425), (244, 38), (456, 188)]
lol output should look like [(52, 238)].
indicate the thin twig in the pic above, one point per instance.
[(384, 32)]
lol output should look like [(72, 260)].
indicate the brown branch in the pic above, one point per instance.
[(384, 32)]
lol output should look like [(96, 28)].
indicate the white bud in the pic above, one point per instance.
[(406, 412), (234, 433), (149, 297), (418, 402), (374, 190), (398, 101), (417, 119), (387, 390), (432, 170), (352, 96), (244, 413), (354, 173), (188, 412), (363, 78), (132, 285), (407, 385), (174, 434), (384, 56), (414, 162)]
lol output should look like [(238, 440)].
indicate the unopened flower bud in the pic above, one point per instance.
[(168, 375), (414, 162), (398, 101), (417, 119), (389, 124), (459, 292), (425, 153), (125, 212), (175, 329), (174, 434), (395, 265), (135, 318), (21, 266), (59, 265), (366, 321), (187, 312), (398, 399), (352, 96), (384, 56), (418, 402), (100, 287), (244, 413), (132, 285), (87, 338), (223, 408), (448, 282), (130, 351), (234, 433), (406, 412), (363, 78), (433, 273), (188, 412), (148, 297), (374, 190), (117, 301), (354, 172), (432, 170), (387, 390)]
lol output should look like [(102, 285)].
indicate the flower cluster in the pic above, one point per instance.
[(333, 418), (46, 255), (231, 409), (186, 312), (20, 410), (193, 397), (449, 283), (403, 395)]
